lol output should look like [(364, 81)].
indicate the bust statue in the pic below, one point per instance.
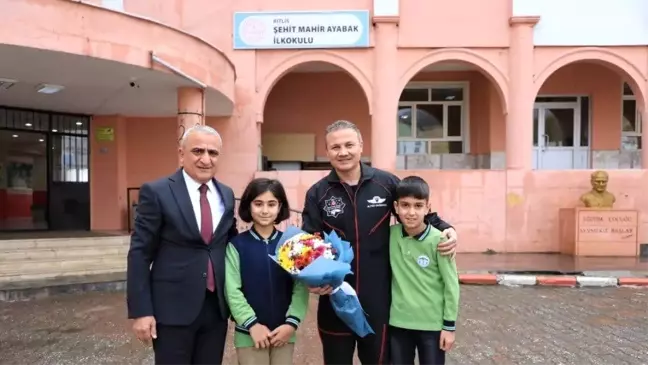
[(598, 197)]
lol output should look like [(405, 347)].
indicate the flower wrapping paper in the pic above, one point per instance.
[(324, 261)]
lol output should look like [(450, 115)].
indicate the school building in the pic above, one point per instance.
[(504, 106)]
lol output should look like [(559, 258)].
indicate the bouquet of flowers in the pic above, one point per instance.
[(320, 262), (296, 253)]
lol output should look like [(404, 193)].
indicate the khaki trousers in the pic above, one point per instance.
[(272, 356)]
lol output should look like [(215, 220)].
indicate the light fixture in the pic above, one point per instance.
[(41, 140), (15, 136), (79, 123), (54, 130), (49, 88), (6, 84), (28, 124)]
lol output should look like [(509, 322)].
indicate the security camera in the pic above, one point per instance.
[(133, 83)]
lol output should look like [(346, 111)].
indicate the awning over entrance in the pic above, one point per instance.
[(103, 60)]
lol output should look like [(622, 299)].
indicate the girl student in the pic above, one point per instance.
[(265, 302)]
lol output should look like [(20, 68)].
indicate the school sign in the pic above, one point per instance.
[(308, 29)]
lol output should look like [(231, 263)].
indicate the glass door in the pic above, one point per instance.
[(556, 136)]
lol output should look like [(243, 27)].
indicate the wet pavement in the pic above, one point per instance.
[(497, 325)]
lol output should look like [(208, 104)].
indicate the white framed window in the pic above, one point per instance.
[(630, 121), (433, 119)]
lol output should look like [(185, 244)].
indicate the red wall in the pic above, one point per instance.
[(14, 205)]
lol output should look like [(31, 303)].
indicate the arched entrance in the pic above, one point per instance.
[(299, 99), (587, 112), (451, 112)]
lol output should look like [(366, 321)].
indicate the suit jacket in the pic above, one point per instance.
[(167, 260)]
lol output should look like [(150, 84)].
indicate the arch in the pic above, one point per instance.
[(200, 59), (489, 69), (637, 80), (289, 63)]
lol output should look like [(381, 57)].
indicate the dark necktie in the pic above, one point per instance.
[(206, 231)]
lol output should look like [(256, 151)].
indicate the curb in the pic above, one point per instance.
[(552, 281)]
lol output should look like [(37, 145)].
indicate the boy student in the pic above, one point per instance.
[(425, 284)]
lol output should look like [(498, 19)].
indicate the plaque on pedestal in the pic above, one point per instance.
[(599, 232)]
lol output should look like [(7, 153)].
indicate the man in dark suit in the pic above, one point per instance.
[(176, 261)]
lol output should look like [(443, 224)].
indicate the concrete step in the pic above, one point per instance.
[(43, 287), (42, 266), (61, 253), (27, 281), (61, 266), (27, 244)]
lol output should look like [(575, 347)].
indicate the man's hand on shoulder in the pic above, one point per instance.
[(449, 246), (145, 329)]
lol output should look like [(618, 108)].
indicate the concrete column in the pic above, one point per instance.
[(519, 121), (384, 128), (109, 198), (191, 108), (259, 141), (644, 129)]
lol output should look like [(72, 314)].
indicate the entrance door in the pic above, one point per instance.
[(557, 137), (44, 168)]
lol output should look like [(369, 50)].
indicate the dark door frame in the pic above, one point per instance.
[(46, 130)]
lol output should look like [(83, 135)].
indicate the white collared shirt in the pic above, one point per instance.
[(213, 197)]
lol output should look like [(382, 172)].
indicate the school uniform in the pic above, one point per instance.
[(258, 290), (425, 296)]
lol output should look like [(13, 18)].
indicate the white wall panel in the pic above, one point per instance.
[(117, 5), (587, 22), (387, 7)]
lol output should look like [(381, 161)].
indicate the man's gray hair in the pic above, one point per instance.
[(200, 128), (343, 124)]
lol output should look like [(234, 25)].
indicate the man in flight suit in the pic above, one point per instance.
[(356, 201)]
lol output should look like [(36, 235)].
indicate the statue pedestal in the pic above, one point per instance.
[(599, 232)]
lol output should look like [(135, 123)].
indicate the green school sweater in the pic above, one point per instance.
[(425, 284), (240, 309)]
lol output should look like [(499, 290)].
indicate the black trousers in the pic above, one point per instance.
[(405, 343), (339, 348), (201, 342)]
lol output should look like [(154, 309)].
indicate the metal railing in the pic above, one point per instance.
[(132, 195)]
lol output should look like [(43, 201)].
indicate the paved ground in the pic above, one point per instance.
[(498, 325)]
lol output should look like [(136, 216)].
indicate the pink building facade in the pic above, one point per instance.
[(504, 106)]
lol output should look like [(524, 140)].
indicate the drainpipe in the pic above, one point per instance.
[(178, 72)]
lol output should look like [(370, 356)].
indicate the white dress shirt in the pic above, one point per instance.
[(213, 197)]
